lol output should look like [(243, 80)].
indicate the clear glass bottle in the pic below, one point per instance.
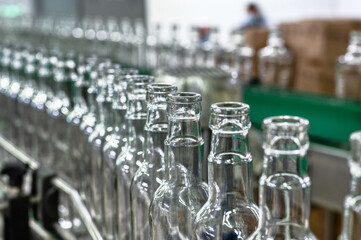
[(242, 58), (183, 193), (58, 109), (284, 186), (16, 68), (24, 102), (348, 69), (275, 61), (150, 174), (130, 159), (230, 211), (96, 142), (351, 227), (87, 127), (114, 144), (38, 114), (4, 87)]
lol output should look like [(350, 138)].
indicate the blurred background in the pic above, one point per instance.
[(281, 57)]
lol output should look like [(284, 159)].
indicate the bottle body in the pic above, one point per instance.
[(150, 174), (275, 62), (230, 211), (179, 198), (284, 184), (132, 155), (348, 73), (351, 228)]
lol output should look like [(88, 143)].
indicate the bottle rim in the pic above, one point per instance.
[(286, 122), (184, 97), (161, 88), (230, 109), (140, 80)]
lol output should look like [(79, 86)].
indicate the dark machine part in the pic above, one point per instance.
[(49, 195), (16, 216)]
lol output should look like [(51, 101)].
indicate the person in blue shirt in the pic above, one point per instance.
[(255, 18)]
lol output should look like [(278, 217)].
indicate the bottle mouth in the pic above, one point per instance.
[(230, 109), (355, 144), (285, 134), (184, 97), (140, 81), (161, 88), (286, 123)]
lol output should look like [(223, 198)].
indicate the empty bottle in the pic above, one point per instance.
[(348, 69), (182, 194), (275, 61), (96, 141), (114, 144), (242, 58), (131, 157), (351, 228), (86, 128), (151, 173), (230, 211), (284, 186)]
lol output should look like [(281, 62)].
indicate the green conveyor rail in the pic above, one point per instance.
[(331, 119)]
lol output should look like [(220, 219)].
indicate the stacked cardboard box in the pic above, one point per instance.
[(316, 45), (256, 38)]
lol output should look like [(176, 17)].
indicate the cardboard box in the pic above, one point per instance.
[(315, 77), (256, 38), (322, 39)]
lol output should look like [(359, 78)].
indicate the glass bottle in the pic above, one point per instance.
[(182, 194), (275, 61), (348, 69), (87, 127), (38, 114), (351, 228), (130, 159), (96, 142), (24, 99), (114, 144), (4, 88), (150, 175), (16, 69), (242, 58), (58, 109), (284, 186), (230, 211)]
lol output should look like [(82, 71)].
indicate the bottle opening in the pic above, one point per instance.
[(286, 123), (230, 109), (285, 135), (184, 97), (140, 81)]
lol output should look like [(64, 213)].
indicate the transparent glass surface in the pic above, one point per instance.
[(348, 69), (179, 198), (284, 184), (275, 61), (131, 157), (242, 58), (351, 227), (230, 211), (96, 142), (150, 174), (114, 144)]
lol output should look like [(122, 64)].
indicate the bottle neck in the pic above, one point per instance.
[(230, 169), (285, 190), (354, 46), (135, 137), (156, 129), (184, 146), (355, 186), (92, 101), (106, 113)]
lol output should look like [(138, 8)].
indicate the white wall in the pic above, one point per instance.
[(227, 14)]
